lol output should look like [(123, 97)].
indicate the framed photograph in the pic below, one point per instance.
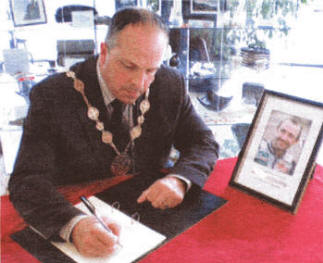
[(202, 9), (125, 3), (278, 156), (154, 5), (28, 12)]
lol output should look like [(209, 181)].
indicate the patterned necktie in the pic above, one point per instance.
[(119, 129)]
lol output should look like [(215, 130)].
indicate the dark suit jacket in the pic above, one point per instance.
[(60, 144)]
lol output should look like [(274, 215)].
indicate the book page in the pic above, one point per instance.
[(135, 238)]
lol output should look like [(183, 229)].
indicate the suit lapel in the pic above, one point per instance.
[(87, 73)]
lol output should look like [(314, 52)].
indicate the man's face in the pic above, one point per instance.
[(129, 67), (286, 135)]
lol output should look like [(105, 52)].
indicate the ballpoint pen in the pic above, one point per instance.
[(92, 210)]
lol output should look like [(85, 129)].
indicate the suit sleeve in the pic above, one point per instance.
[(32, 190), (195, 142)]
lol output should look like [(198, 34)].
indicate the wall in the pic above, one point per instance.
[(41, 39)]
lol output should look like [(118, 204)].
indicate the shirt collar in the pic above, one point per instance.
[(107, 95)]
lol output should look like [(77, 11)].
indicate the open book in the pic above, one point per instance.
[(136, 239)]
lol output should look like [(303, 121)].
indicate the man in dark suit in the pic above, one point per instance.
[(70, 133)]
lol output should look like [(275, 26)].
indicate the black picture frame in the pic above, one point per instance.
[(281, 182), (125, 3), (192, 9), (25, 13), (155, 6)]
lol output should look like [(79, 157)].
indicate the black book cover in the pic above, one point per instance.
[(170, 222)]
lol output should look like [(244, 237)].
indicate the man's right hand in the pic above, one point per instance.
[(91, 239)]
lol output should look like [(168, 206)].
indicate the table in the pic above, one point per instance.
[(249, 230), (245, 229)]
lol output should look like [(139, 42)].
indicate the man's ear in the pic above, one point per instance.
[(103, 53)]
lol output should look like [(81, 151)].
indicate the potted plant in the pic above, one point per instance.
[(253, 23)]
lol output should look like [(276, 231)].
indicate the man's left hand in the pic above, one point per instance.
[(167, 192)]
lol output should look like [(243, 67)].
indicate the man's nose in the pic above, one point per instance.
[(138, 79), (284, 137)]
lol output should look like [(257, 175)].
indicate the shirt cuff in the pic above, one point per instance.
[(182, 178), (66, 230)]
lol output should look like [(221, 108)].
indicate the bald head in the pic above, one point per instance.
[(133, 16)]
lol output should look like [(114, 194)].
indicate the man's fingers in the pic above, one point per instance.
[(92, 239), (164, 193), (143, 197), (170, 193), (159, 200), (151, 194), (115, 228), (161, 205), (104, 244), (108, 239)]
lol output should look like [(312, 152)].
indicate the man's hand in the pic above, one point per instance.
[(167, 192), (92, 240)]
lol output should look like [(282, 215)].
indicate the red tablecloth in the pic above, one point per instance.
[(248, 230), (11, 252), (245, 229)]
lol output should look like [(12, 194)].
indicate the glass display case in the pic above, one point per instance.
[(228, 51)]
